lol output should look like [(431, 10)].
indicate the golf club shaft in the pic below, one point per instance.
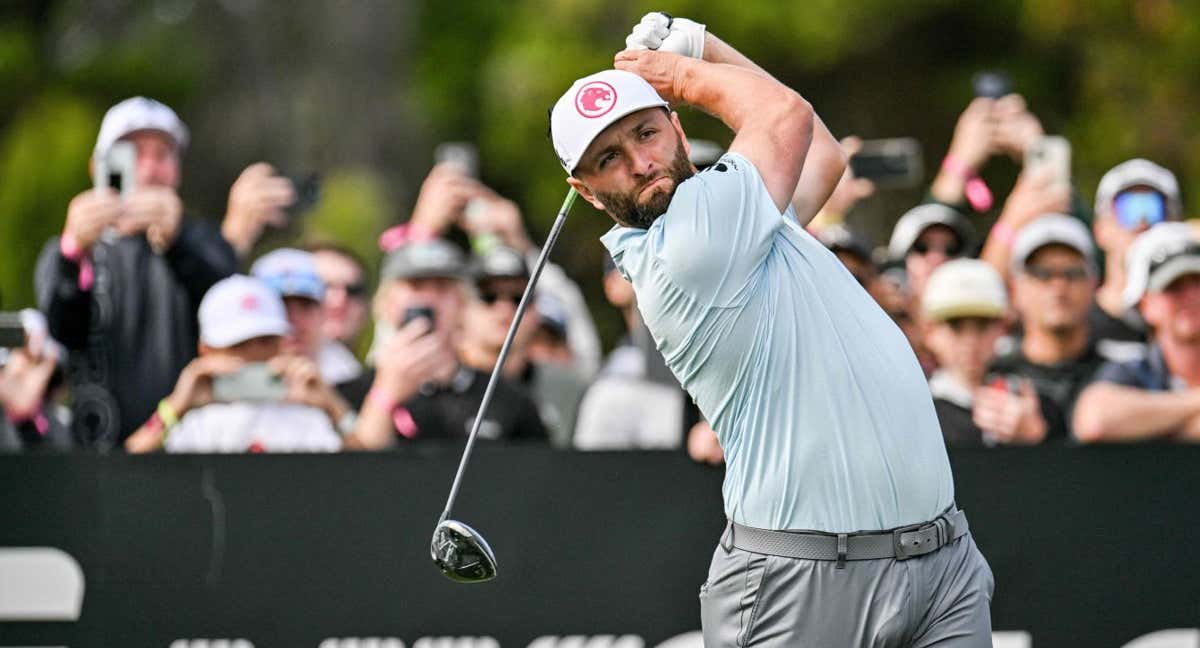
[(508, 340)]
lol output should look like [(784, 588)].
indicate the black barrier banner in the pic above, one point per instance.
[(1089, 546)]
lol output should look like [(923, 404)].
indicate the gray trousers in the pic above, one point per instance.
[(939, 599)]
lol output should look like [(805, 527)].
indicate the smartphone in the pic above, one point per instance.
[(415, 312), (890, 163), (463, 155), (117, 168), (308, 192), (12, 331), (992, 84), (1052, 152), (254, 382)]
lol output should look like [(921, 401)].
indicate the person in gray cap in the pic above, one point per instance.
[(1156, 397), (417, 388), (1131, 198), (121, 285), (925, 237), (1053, 265)]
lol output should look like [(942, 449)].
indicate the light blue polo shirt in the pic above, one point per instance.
[(816, 396)]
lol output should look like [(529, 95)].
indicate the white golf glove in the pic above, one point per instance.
[(659, 31)]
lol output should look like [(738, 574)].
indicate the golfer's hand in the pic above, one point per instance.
[(89, 213), (659, 69), (658, 31)]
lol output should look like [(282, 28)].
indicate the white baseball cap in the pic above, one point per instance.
[(240, 308), (1138, 172), (1051, 229), (291, 272), (135, 114), (1157, 257), (591, 105), (964, 288), (920, 218)]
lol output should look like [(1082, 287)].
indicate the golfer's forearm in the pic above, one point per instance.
[(1111, 413), (741, 98), (718, 51)]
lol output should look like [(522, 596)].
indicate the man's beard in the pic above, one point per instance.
[(625, 208)]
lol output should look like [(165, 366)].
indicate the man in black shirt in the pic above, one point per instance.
[(418, 389), (1157, 396), (1054, 282), (963, 312)]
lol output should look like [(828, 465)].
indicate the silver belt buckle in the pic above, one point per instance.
[(898, 543)]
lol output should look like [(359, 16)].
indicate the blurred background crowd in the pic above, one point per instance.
[(231, 230)]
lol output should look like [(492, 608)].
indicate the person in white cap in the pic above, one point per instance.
[(1156, 397), (1053, 266), (269, 402), (121, 285), (836, 471), (1131, 198), (964, 308)]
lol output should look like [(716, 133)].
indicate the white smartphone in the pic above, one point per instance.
[(1051, 152), (116, 169)]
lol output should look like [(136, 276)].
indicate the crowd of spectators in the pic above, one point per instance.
[(1050, 325)]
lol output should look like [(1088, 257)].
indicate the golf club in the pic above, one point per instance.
[(458, 550)]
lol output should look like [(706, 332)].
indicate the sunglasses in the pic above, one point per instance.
[(493, 296), (1134, 208), (357, 289), (953, 250), (1044, 274)]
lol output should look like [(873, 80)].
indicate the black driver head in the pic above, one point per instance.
[(461, 553)]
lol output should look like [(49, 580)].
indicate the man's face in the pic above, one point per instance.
[(491, 313), (1055, 290), (443, 294), (965, 344), (1175, 312), (157, 159), (936, 245), (306, 317), (631, 170), (345, 305)]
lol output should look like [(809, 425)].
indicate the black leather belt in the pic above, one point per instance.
[(901, 543)]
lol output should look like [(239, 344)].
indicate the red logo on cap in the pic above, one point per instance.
[(249, 303), (595, 99)]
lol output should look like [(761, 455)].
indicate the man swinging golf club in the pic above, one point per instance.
[(843, 529)]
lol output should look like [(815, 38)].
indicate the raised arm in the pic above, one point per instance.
[(773, 124), (825, 162), (1108, 412)]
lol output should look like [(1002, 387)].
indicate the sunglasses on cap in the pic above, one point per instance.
[(1135, 208), (952, 250)]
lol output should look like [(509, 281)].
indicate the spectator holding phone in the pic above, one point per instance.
[(418, 389), (1053, 264), (450, 197), (242, 394), (964, 308), (1130, 199), (1156, 397), (121, 285), (30, 374)]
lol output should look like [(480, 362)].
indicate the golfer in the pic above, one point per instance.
[(843, 529)]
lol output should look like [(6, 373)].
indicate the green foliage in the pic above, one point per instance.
[(43, 163), (353, 210)]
